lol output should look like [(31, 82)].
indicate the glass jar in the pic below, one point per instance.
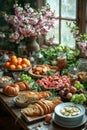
[(62, 61), (82, 65), (73, 74), (22, 51)]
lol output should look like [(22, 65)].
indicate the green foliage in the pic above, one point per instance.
[(48, 55), (35, 86), (50, 73)]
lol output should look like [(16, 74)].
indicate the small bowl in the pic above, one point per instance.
[(20, 104), (4, 83)]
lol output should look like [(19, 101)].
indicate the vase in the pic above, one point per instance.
[(33, 46), (22, 50)]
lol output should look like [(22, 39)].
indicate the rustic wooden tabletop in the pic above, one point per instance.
[(15, 111)]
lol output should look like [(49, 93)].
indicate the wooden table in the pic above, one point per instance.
[(9, 105)]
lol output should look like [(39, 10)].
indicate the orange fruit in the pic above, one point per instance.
[(13, 57), (26, 61), (18, 67), (19, 60), (12, 67), (14, 61), (7, 64), (24, 65)]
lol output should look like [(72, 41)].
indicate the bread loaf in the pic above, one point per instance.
[(11, 90), (32, 110), (32, 96), (15, 88), (41, 107), (23, 85)]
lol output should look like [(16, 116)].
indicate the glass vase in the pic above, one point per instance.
[(33, 46)]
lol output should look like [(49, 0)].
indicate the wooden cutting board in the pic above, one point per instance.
[(31, 119)]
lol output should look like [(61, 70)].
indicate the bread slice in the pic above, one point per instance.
[(51, 105), (32, 110), (43, 106), (41, 109), (47, 106)]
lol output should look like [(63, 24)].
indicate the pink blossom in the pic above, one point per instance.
[(2, 35), (28, 22), (14, 36)]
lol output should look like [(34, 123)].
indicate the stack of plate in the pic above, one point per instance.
[(69, 121)]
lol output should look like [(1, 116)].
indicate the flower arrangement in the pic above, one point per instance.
[(2, 35), (27, 22), (81, 39)]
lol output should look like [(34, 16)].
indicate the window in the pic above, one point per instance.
[(68, 11)]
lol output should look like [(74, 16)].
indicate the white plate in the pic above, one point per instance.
[(62, 105), (71, 126)]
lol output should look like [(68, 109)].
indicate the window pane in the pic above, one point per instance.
[(86, 28), (68, 8), (54, 32), (54, 4), (67, 40)]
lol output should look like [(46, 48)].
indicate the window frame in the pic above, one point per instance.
[(81, 19)]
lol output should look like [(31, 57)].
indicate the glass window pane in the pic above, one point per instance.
[(66, 36), (68, 8), (54, 32), (86, 27), (54, 4)]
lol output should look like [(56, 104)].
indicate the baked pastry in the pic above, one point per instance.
[(11, 90), (27, 85), (23, 85)]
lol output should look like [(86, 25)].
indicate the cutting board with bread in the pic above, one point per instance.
[(39, 109)]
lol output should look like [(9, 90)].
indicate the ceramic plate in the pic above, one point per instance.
[(60, 106), (71, 126)]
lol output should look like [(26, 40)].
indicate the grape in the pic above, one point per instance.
[(66, 90), (78, 86), (25, 77), (78, 98), (61, 92)]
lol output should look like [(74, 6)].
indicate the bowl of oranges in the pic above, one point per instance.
[(15, 63)]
